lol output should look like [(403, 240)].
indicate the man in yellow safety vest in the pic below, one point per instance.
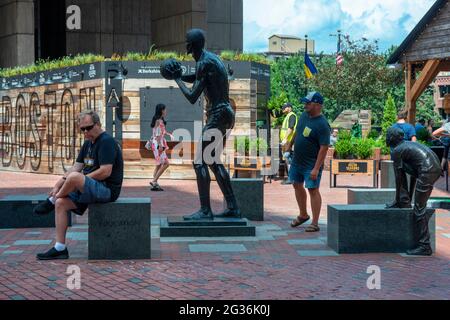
[(287, 134)]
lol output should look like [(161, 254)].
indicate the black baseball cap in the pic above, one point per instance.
[(314, 97), (286, 105)]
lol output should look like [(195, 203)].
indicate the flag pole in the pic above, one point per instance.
[(306, 52)]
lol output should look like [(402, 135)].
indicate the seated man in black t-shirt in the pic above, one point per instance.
[(96, 177)]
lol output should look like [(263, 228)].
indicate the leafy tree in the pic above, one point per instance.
[(275, 103), (389, 115), (287, 76), (364, 81), (389, 118)]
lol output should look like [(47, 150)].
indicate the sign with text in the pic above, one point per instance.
[(353, 167)]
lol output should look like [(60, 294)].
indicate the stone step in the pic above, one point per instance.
[(176, 227), (217, 222), (439, 203)]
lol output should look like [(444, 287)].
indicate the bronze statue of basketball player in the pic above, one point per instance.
[(211, 78)]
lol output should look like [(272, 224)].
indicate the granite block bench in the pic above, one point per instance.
[(120, 230), (372, 228), (370, 196), (16, 212), (249, 195), (387, 174)]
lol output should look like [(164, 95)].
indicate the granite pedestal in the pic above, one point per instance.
[(249, 195), (439, 203), (177, 227), (16, 211), (387, 175), (372, 228), (120, 230), (370, 196)]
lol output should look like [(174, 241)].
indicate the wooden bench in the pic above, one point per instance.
[(120, 230)]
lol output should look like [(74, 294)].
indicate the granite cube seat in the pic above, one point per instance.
[(120, 230), (373, 228), (249, 195), (16, 212), (370, 196)]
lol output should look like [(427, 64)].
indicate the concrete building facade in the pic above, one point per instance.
[(283, 44), (39, 29)]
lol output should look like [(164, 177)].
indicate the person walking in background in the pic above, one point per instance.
[(334, 137), (407, 128), (430, 126), (420, 125), (312, 141), (159, 145), (443, 134), (287, 136)]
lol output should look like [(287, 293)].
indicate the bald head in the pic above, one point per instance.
[(195, 41)]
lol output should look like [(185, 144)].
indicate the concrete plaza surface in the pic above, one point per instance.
[(279, 263)]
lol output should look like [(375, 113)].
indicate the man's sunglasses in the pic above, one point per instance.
[(88, 128)]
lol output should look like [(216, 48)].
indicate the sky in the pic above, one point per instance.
[(388, 21)]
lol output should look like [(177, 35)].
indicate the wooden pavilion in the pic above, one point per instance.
[(425, 53)]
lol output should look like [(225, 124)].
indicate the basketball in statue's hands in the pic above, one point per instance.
[(170, 69)]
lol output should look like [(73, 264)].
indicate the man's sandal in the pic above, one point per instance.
[(312, 228), (299, 221)]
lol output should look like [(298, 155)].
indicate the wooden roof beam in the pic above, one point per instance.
[(429, 72)]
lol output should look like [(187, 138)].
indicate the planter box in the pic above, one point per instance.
[(353, 167), (250, 165), (330, 156)]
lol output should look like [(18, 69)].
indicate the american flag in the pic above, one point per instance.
[(339, 59)]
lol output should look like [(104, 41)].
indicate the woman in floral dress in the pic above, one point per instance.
[(159, 145)]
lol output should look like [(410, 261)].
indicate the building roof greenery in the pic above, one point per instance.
[(153, 55)]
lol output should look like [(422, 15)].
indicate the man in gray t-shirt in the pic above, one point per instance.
[(444, 134), (310, 149)]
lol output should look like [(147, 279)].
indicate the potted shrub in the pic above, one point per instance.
[(355, 157), (248, 152)]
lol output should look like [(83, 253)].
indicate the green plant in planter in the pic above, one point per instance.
[(257, 146), (344, 135), (251, 147), (344, 148), (364, 148), (241, 145), (381, 143), (238, 56), (152, 55), (373, 134)]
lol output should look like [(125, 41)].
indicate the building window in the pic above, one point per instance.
[(274, 43), (443, 90)]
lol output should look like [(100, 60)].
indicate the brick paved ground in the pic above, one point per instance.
[(279, 263)]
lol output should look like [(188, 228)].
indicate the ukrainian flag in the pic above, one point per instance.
[(310, 68)]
